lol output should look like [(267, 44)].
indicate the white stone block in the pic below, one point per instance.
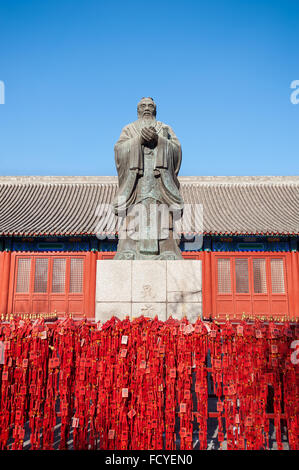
[(106, 310), (191, 310), (114, 283), (149, 310), (149, 288), (184, 281), (148, 281)]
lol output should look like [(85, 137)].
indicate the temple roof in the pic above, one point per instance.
[(67, 205)]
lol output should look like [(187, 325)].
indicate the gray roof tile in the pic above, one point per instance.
[(46, 205)]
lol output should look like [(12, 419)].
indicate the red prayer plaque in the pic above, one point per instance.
[(172, 373), (240, 330), (274, 362), (188, 329), (131, 413), (43, 334), (56, 361), (123, 352), (125, 392), (248, 421), (25, 363), (225, 363), (75, 422), (207, 326), (111, 434), (183, 408), (217, 363), (124, 339), (4, 375), (82, 375), (219, 406), (88, 362)]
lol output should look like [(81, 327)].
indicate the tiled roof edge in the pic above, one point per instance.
[(182, 179)]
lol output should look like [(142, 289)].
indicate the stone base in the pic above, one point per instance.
[(149, 288)]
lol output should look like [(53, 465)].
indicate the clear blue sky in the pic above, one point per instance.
[(219, 70)]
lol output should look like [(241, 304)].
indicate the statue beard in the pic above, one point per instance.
[(147, 121)]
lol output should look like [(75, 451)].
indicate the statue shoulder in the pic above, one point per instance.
[(132, 128), (165, 130), (128, 130)]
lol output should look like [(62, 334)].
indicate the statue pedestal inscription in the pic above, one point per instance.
[(149, 287)]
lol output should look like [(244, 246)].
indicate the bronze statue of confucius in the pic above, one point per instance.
[(148, 157)]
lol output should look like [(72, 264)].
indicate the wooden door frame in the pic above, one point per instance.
[(250, 256), (51, 255)]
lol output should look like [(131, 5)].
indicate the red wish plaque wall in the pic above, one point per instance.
[(144, 384)]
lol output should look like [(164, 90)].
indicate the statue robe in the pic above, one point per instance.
[(129, 159)]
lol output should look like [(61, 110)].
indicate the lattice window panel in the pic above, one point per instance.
[(259, 276), (76, 275), (224, 276), (241, 268), (58, 275), (41, 275), (23, 277), (277, 276)]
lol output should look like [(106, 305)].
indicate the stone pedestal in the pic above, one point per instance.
[(149, 288)]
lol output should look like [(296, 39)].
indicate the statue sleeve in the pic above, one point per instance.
[(177, 151), (128, 151), (127, 160), (169, 151)]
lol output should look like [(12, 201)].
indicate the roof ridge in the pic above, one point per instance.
[(183, 179)]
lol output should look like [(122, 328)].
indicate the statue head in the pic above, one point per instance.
[(146, 108)]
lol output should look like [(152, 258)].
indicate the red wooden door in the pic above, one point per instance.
[(278, 285), (50, 283), (249, 284), (241, 274), (223, 285), (260, 285)]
